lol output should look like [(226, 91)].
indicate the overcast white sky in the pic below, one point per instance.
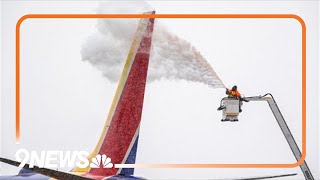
[(64, 101)]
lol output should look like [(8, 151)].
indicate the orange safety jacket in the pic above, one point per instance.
[(234, 93)]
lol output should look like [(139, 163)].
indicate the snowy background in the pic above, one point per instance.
[(65, 100)]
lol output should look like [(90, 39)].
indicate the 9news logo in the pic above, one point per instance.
[(61, 159)]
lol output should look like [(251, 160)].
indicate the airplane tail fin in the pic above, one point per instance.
[(119, 138)]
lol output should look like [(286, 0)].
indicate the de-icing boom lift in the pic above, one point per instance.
[(230, 112)]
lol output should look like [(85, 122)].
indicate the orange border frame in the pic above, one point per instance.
[(237, 16)]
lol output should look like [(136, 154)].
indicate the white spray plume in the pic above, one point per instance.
[(171, 57)]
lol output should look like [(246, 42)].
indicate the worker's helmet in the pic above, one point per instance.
[(234, 88)]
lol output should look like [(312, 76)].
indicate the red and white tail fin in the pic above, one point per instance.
[(120, 133)]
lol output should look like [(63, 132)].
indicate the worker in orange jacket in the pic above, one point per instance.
[(233, 92)]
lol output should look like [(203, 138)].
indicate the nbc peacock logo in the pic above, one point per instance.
[(101, 160)]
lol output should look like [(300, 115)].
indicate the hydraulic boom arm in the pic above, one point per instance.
[(285, 130)]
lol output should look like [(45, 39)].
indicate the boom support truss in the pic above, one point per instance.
[(285, 130)]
